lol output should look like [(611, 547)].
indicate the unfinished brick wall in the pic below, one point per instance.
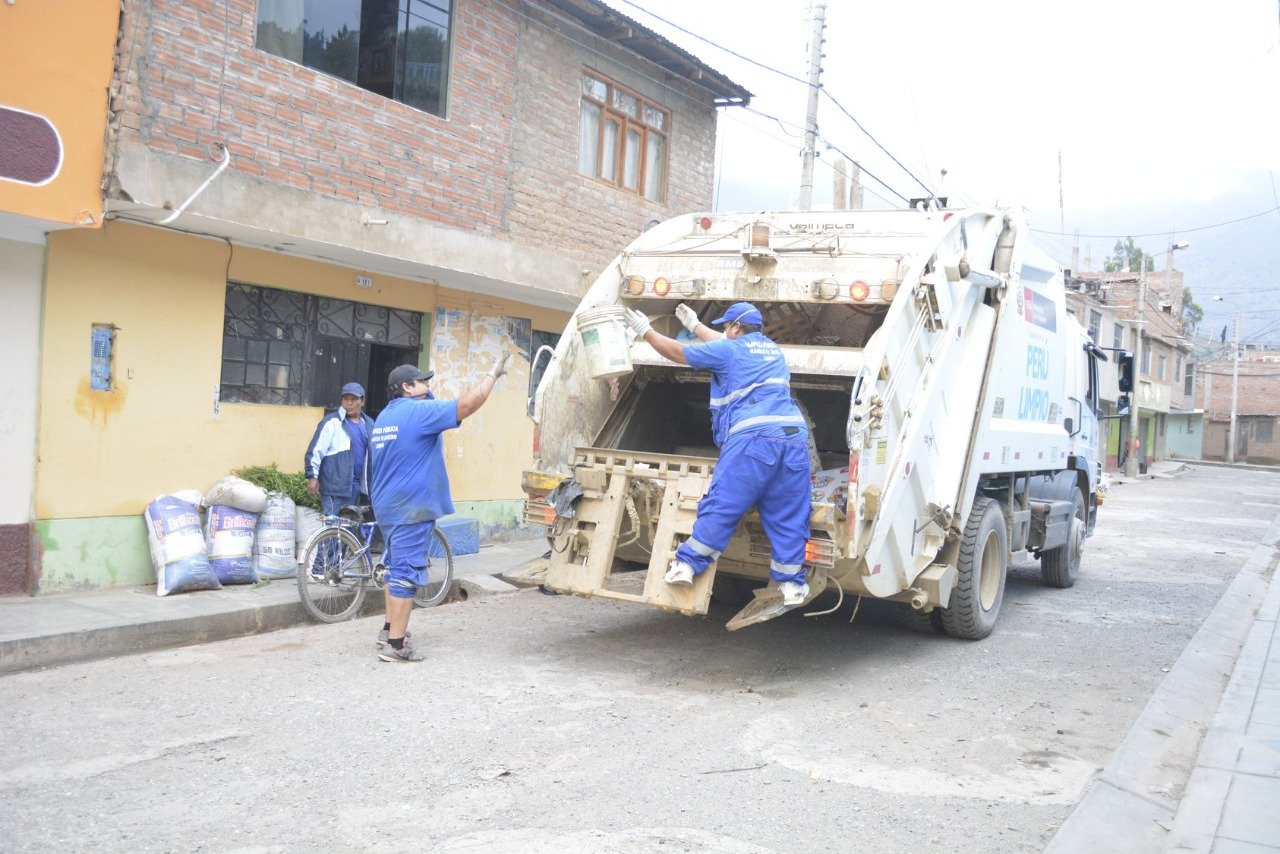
[(1258, 385), (550, 198), (503, 163)]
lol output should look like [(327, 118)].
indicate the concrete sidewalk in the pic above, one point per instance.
[(1200, 768), (67, 627)]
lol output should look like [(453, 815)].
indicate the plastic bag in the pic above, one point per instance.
[(230, 540), (232, 491), (177, 546), (273, 553)]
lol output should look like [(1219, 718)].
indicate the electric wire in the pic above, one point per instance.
[(1162, 233), (821, 88)]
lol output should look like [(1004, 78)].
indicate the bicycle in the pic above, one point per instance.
[(345, 555)]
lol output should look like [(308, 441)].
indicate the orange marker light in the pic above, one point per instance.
[(661, 286), (859, 291), (635, 286)]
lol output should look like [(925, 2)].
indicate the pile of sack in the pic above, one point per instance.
[(247, 535)]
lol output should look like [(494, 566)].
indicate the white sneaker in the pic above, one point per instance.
[(680, 574), (793, 592)]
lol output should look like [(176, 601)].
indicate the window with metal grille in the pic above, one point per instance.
[(297, 349), (1095, 324), (396, 48), (622, 138), (1264, 429)]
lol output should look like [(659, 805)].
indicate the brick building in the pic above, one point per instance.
[(1106, 304), (1257, 403), (299, 193)]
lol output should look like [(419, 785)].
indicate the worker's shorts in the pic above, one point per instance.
[(406, 557)]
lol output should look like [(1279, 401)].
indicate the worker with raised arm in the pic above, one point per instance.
[(410, 486), (763, 440)]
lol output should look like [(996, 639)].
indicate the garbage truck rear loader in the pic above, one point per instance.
[(953, 406)]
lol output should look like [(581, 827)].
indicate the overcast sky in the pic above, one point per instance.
[(1172, 102)]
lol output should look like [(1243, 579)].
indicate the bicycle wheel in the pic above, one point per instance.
[(334, 570), (439, 573)]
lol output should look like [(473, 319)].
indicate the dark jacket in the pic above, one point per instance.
[(329, 455)]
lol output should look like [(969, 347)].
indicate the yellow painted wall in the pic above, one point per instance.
[(56, 60), (109, 453)]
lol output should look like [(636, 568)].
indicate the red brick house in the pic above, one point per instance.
[(1257, 403)]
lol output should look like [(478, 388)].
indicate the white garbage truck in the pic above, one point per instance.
[(953, 405)]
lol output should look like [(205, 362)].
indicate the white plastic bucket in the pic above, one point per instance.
[(604, 338)]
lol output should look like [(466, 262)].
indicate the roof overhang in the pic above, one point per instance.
[(627, 33)]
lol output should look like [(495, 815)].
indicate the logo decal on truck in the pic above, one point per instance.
[(1039, 309)]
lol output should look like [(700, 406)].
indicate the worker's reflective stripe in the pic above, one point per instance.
[(787, 568), (777, 420), (702, 548), (734, 395)]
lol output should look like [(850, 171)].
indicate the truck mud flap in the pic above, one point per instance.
[(768, 604)]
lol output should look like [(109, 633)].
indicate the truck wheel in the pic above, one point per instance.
[(981, 570), (1060, 567), (914, 621)]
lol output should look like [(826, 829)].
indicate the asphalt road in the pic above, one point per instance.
[(553, 724)]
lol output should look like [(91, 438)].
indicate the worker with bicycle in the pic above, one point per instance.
[(410, 486)]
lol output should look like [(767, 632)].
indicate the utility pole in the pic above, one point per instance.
[(1235, 390), (811, 118), (1131, 461), (855, 188), (839, 193)]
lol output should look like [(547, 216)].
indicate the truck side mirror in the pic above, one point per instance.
[(1124, 365), (1122, 405)]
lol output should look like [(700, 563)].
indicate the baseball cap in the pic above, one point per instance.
[(353, 388), (741, 312), (407, 374)]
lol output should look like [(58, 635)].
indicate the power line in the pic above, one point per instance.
[(822, 89), (826, 142), (1161, 233)]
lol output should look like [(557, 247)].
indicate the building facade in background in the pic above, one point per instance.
[(294, 194), (1107, 305)]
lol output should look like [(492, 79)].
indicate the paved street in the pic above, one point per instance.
[(544, 723)]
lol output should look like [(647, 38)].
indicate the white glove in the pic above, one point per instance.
[(687, 316), (638, 322), (500, 365)]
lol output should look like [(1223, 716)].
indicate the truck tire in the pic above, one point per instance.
[(981, 571), (1060, 567)]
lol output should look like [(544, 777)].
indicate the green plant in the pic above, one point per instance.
[(270, 478)]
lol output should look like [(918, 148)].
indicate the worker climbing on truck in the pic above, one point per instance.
[(763, 441)]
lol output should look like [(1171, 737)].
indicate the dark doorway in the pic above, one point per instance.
[(381, 360), (338, 361)]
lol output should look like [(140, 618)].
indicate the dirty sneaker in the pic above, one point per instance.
[(680, 574), (381, 639), (793, 592), (406, 654)]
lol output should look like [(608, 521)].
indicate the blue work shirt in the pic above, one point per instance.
[(359, 444), (409, 482), (750, 385)]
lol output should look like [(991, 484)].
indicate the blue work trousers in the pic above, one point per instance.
[(767, 471)]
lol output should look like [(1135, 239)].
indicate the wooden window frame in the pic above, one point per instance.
[(625, 123)]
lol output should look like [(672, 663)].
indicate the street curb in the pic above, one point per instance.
[(72, 647), (1131, 804), (132, 638)]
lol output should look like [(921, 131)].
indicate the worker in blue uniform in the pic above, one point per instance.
[(410, 486), (763, 440)]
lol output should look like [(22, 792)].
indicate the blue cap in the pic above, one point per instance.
[(741, 312), (353, 388)]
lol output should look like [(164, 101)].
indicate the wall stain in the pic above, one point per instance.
[(97, 406)]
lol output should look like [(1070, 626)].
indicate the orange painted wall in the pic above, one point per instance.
[(56, 59)]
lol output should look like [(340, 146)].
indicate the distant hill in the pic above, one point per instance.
[(1240, 261)]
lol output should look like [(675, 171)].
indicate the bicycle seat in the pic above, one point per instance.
[(356, 512)]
